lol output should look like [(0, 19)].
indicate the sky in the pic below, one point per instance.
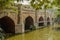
[(25, 2)]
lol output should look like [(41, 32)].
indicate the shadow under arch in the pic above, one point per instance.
[(48, 21), (7, 24), (41, 21), (28, 22)]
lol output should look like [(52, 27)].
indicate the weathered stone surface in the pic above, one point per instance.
[(26, 12)]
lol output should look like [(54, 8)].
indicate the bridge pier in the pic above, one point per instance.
[(19, 29)]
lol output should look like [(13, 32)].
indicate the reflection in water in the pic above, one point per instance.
[(41, 34)]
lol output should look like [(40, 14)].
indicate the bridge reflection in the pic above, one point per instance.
[(41, 34), (46, 33)]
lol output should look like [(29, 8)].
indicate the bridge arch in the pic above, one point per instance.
[(28, 22), (7, 24), (41, 21)]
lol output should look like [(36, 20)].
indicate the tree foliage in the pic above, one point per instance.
[(57, 2), (19, 0), (38, 4), (5, 3)]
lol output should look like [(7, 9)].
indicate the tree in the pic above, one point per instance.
[(57, 3), (39, 4), (5, 3)]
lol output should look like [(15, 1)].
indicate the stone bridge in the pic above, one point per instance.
[(8, 21)]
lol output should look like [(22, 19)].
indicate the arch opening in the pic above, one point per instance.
[(41, 21), (28, 23), (7, 24), (48, 21)]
